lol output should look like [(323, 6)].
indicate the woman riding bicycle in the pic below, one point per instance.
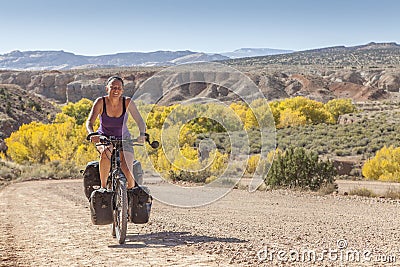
[(111, 110)]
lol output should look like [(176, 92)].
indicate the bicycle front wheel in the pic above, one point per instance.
[(121, 211)]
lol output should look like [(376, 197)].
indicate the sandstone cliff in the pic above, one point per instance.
[(70, 86)]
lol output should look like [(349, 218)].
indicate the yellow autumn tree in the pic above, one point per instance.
[(252, 163), (63, 141), (240, 109), (339, 107), (30, 143), (290, 117), (251, 120), (79, 110), (385, 166)]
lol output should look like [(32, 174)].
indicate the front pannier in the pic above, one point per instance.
[(140, 202), (101, 207), (91, 178)]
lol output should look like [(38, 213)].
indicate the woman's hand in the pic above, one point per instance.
[(141, 139), (95, 139)]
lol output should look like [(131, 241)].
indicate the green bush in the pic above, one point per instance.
[(297, 168), (189, 176)]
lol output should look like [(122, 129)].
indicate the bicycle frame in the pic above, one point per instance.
[(115, 168)]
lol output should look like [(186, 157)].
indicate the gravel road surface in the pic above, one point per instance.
[(47, 223)]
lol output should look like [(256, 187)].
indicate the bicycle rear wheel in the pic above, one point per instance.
[(120, 211)]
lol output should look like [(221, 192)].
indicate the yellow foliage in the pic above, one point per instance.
[(41, 143), (339, 107), (385, 166), (79, 110), (240, 109), (187, 159), (219, 162), (186, 135), (157, 116), (30, 143), (251, 120), (163, 164), (289, 117), (252, 163), (313, 111)]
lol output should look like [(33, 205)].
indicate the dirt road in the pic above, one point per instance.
[(47, 223)]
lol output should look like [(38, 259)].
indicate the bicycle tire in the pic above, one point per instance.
[(113, 227), (121, 211)]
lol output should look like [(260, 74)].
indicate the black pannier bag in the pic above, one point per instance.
[(138, 172), (101, 207), (140, 202), (91, 178)]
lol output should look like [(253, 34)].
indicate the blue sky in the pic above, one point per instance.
[(95, 27)]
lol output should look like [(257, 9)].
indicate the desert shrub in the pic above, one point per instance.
[(392, 193), (363, 192), (54, 169), (9, 170), (327, 189), (342, 152), (190, 176), (211, 179), (298, 168)]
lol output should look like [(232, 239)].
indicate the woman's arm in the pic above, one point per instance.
[(136, 115), (97, 108)]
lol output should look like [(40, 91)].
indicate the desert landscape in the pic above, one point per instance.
[(47, 221)]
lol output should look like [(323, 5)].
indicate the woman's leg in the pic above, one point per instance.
[(105, 163), (127, 159)]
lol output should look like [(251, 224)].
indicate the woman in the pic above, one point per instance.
[(111, 110)]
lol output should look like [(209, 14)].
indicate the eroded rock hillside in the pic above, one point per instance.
[(71, 86)]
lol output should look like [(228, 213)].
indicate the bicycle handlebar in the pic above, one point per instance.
[(104, 139)]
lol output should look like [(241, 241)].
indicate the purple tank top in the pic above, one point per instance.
[(114, 126)]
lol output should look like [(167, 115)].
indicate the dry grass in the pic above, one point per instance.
[(392, 193), (327, 189), (363, 192)]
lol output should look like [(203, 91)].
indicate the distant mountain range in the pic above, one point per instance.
[(371, 54), (255, 52), (60, 60), (367, 55)]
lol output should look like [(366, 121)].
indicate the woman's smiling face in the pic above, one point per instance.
[(115, 88)]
